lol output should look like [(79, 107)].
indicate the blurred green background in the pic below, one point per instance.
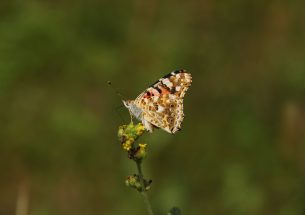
[(242, 146)]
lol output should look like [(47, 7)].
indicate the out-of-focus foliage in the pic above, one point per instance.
[(242, 146)]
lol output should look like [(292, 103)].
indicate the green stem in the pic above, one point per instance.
[(143, 192)]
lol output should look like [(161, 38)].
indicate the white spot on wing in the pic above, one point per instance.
[(167, 82), (160, 108), (171, 96)]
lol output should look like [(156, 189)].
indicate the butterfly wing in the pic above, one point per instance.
[(165, 113), (162, 102)]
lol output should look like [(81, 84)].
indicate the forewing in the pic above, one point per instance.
[(176, 83)]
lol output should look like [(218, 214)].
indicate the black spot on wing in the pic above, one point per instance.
[(174, 73), (158, 89), (173, 90), (160, 84), (169, 75)]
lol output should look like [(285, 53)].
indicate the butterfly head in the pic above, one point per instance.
[(127, 103)]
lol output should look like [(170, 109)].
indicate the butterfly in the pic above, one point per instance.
[(161, 104)]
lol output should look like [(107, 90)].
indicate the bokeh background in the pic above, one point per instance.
[(242, 146)]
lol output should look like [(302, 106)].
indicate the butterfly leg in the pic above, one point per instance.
[(131, 116)]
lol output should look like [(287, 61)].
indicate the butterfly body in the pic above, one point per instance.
[(161, 105)]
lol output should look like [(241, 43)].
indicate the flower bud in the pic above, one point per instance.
[(133, 182), (141, 151)]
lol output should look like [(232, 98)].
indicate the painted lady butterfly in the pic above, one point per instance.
[(161, 105)]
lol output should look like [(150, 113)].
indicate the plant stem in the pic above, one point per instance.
[(143, 192)]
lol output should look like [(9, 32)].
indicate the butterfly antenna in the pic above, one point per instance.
[(115, 90), (122, 98)]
